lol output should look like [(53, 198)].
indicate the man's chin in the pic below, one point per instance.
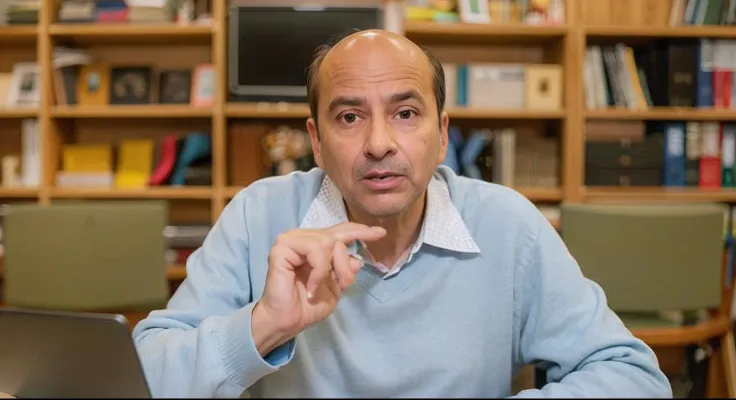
[(384, 205)]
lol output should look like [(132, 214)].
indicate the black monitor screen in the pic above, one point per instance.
[(276, 45)]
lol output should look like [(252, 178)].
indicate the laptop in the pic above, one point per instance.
[(68, 354)]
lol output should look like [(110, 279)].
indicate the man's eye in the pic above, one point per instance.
[(406, 114), (349, 118)]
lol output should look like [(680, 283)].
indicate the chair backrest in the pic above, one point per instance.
[(86, 256), (649, 257)]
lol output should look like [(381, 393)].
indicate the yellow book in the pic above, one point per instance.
[(135, 162), (87, 158), (630, 65)]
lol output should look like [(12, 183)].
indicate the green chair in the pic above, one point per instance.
[(655, 261), (86, 256)]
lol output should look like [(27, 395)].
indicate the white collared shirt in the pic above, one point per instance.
[(442, 227)]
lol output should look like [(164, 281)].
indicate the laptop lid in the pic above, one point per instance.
[(53, 354)]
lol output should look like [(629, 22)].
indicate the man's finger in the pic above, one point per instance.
[(366, 234), (341, 266)]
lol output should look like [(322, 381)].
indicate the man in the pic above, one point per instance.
[(465, 282)]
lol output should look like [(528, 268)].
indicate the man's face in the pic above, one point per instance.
[(380, 138)]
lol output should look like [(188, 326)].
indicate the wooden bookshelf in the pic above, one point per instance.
[(150, 193), (664, 114), (191, 44), (131, 111)]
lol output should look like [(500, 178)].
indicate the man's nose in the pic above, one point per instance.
[(381, 141)]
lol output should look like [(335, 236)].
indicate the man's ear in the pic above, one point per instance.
[(314, 140), (444, 126)]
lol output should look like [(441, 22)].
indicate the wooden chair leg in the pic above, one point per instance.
[(729, 363), (717, 386)]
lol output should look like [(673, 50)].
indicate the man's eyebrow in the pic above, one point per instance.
[(343, 101), (406, 95)]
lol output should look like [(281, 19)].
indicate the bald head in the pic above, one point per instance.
[(373, 50)]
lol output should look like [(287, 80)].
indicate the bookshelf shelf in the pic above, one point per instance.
[(562, 45), (660, 32), (455, 33), (664, 113), (470, 113), (541, 194), (253, 110), (231, 191), (176, 273), (18, 113), (18, 34), (659, 194), (267, 110), (148, 193), (18, 193), (132, 33), (131, 111)]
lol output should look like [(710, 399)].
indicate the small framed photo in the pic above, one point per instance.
[(175, 87), (24, 86), (203, 86), (474, 11), (130, 85)]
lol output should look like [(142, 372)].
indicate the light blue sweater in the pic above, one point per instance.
[(449, 324)]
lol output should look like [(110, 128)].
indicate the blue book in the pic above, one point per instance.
[(704, 74), (674, 154)]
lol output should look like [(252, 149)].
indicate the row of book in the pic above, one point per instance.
[(508, 156), (23, 169), (19, 12), (504, 86), (138, 163), (679, 73), (666, 153), (498, 11), (116, 11), (702, 12)]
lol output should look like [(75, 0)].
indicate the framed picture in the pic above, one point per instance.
[(130, 85), (175, 87), (474, 11), (24, 86), (203, 86)]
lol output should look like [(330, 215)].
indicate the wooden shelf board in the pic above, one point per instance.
[(231, 191), (464, 33), (148, 193), (18, 34), (18, 193), (541, 194), (295, 110), (661, 32), (658, 194), (176, 273), (267, 110), (474, 113), (131, 111), (664, 113), (132, 33), (18, 112)]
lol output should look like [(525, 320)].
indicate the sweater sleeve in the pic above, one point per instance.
[(201, 345), (565, 323)]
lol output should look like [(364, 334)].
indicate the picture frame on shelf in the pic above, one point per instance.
[(203, 86), (130, 85), (175, 87), (474, 11), (24, 86)]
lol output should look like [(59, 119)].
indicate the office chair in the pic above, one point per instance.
[(655, 258), (86, 256)]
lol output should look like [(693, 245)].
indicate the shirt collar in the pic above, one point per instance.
[(442, 227)]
